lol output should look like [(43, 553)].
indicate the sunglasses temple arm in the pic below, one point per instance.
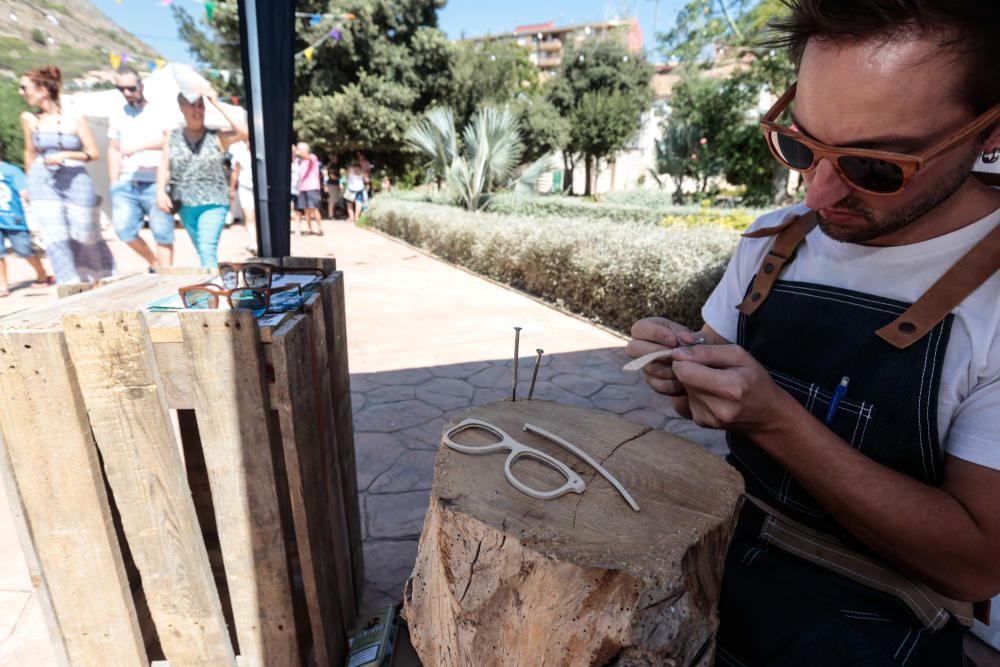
[(568, 446)]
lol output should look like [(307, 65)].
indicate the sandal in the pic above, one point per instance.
[(4, 293), (45, 282)]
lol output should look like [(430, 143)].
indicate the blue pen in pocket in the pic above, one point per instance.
[(838, 394)]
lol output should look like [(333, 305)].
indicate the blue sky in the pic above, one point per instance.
[(153, 22)]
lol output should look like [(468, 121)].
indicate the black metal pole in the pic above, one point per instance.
[(267, 31)]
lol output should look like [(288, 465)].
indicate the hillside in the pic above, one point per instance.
[(72, 34)]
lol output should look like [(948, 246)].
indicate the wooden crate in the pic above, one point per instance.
[(184, 483)]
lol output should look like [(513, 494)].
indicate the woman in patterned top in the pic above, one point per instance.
[(194, 166)]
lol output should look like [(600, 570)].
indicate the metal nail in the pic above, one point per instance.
[(517, 344), (534, 373)]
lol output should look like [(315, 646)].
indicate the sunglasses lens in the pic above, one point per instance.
[(199, 299), (872, 174), (229, 276), (791, 151), (256, 276), (246, 299)]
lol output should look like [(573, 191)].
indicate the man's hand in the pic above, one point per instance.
[(729, 389), (652, 335)]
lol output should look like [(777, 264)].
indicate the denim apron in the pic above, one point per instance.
[(777, 608)]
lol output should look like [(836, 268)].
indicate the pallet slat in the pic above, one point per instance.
[(58, 476), (336, 507), (231, 408), (335, 315), (296, 405), (119, 379)]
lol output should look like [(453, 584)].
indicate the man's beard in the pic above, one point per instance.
[(893, 221)]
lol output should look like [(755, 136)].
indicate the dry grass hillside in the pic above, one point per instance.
[(72, 34)]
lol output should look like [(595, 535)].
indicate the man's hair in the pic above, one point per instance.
[(128, 69), (969, 31)]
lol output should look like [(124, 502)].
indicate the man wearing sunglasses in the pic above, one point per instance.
[(136, 133), (855, 356)]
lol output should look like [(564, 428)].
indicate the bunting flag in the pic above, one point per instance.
[(118, 1), (335, 34), (236, 100), (309, 53), (213, 74), (124, 58), (349, 16), (166, 3), (160, 62), (209, 9), (151, 65), (316, 18), (225, 75), (13, 16), (116, 60)]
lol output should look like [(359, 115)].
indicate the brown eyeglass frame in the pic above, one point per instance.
[(218, 292), (908, 164), (270, 270)]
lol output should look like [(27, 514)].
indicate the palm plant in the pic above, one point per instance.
[(491, 152)]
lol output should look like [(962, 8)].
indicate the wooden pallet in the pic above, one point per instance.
[(184, 482)]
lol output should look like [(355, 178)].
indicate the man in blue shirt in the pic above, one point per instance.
[(13, 227)]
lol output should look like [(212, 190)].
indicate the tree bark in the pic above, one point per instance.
[(502, 578)]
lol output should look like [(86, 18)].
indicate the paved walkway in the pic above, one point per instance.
[(427, 341)]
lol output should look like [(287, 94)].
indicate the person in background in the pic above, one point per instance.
[(310, 184), (62, 203), (296, 212), (355, 194), (13, 226), (332, 186), (386, 184), (194, 166), (241, 188), (136, 133)]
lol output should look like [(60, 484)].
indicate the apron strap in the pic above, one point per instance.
[(931, 608), (946, 294), (789, 235)]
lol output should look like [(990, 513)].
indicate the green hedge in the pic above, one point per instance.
[(610, 271)]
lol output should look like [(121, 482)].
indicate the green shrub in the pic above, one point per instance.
[(611, 271)]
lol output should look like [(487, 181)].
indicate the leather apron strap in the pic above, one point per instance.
[(931, 608), (961, 280), (789, 235)]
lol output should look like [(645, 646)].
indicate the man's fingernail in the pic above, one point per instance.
[(680, 354)]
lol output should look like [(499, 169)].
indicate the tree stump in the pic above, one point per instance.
[(502, 578)]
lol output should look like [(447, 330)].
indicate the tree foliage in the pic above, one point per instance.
[(494, 73), (360, 92), (11, 106), (545, 130), (724, 110), (603, 89)]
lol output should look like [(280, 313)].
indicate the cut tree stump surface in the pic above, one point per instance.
[(504, 578)]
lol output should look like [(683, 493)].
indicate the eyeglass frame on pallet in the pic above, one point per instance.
[(239, 268), (217, 292)]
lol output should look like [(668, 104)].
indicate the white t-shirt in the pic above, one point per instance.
[(969, 395), (137, 126), (241, 156)]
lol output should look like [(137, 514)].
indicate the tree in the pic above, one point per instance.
[(603, 89), (545, 130), (11, 106), (725, 109), (494, 73), (361, 88)]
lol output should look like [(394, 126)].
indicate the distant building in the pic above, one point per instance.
[(546, 43)]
